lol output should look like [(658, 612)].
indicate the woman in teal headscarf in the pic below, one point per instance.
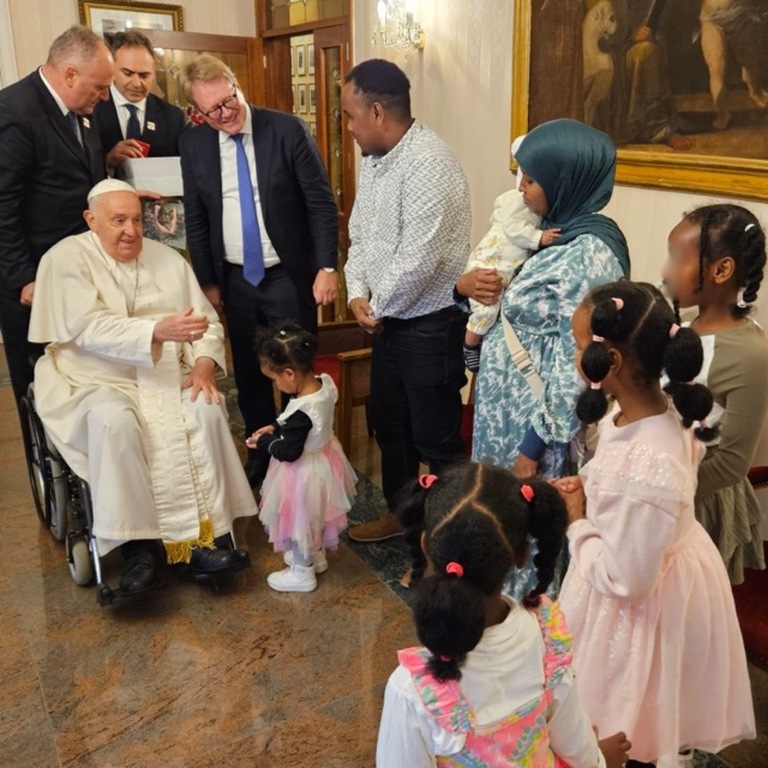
[(568, 174)]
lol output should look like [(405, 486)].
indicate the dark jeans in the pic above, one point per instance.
[(247, 307), (417, 372)]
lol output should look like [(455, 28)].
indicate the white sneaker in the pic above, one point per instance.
[(319, 560), (297, 578)]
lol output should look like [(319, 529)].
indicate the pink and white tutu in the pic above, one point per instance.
[(305, 502)]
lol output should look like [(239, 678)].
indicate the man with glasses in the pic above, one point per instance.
[(49, 159), (133, 114), (261, 221)]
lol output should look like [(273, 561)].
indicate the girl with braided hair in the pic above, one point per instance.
[(657, 647), (492, 687), (716, 261)]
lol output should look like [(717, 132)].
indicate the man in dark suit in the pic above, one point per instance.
[(261, 222), (133, 113), (50, 158)]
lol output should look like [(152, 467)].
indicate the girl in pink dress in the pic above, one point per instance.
[(657, 646), (493, 686), (310, 485)]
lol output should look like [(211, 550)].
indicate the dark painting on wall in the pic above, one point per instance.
[(681, 86)]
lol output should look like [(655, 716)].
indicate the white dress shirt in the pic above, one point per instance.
[(124, 114), (232, 222)]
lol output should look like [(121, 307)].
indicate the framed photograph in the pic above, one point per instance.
[(645, 71), (302, 98), (106, 17), (301, 63), (295, 99), (164, 222), (312, 102), (311, 59)]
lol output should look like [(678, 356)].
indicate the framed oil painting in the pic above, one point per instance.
[(681, 86), (106, 17)]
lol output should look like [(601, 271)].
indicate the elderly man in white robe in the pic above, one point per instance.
[(127, 392)]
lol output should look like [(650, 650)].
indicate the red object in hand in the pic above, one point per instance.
[(144, 147)]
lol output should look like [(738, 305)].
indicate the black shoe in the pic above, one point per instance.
[(256, 468), (139, 573), (206, 560), (472, 357)]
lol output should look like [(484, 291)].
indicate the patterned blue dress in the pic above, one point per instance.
[(539, 303)]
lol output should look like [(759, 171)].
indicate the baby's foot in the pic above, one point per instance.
[(472, 357)]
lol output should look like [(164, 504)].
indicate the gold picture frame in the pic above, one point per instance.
[(561, 81), (106, 17)]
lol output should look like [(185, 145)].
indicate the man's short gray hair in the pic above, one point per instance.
[(76, 45)]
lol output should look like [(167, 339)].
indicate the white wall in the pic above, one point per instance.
[(37, 22), (461, 87)]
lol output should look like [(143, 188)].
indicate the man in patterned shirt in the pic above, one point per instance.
[(409, 234)]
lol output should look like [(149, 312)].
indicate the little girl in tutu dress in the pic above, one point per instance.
[(310, 485)]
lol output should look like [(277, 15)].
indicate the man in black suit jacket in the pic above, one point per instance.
[(298, 225), (158, 123), (50, 158)]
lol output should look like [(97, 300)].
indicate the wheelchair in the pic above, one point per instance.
[(63, 502), (63, 505)]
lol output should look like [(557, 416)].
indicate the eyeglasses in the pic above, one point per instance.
[(230, 103)]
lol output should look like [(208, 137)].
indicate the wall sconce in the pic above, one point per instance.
[(396, 27)]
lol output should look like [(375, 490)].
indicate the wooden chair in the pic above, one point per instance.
[(344, 354)]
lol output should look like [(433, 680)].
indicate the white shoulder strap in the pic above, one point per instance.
[(521, 358)]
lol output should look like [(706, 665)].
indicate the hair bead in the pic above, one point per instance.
[(597, 339), (426, 481), (455, 569), (618, 302), (527, 493)]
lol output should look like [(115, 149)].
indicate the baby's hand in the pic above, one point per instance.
[(254, 438), (548, 236), (615, 749)]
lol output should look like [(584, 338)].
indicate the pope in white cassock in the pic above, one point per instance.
[(127, 392)]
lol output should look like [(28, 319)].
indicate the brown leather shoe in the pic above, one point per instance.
[(385, 526)]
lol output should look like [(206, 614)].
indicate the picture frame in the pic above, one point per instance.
[(164, 222), (313, 129), (302, 99), (295, 99), (554, 76), (301, 62), (311, 59), (105, 17), (312, 98)]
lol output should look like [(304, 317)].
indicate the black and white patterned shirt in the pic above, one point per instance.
[(409, 228)]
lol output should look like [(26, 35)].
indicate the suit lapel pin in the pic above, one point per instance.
[(86, 123), (150, 125)]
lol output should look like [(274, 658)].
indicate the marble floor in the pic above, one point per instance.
[(198, 675)]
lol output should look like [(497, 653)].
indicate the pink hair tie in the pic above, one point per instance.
[(691, 382), (527, 493), (674, 328), (597, 339), (426, 481), (595, 385), (619, 303), (446, 659), (454, 569)]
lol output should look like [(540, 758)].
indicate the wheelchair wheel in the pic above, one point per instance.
[(35, 449), (79, 560), (58, 498)]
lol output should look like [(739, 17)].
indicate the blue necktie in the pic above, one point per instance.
[(73, 124), (133, 131), (253, 256)]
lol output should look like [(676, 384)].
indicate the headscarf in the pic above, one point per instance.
[(575, 165)]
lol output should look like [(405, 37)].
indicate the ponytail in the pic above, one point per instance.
[(449, 613), (683, 357), (548, 523)]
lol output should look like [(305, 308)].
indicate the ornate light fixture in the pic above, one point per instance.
[(396, 27)]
